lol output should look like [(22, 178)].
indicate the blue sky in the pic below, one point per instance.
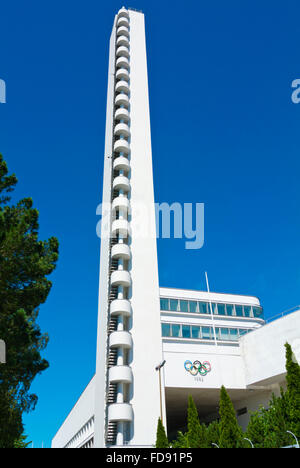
[(224, 132)]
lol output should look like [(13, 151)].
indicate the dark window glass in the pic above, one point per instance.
[(174, 305), (217, 330), (229, 309), (176, 331), (247, 311), (186, 331), (202, 307), (221, 309), (164, 304), (165, 329), (239, 311), (214, 308), (242, 332), (195, 332), (183, 306), (193, 306), (258, 312)]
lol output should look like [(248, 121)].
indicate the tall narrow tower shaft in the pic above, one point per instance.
[(129, 335)]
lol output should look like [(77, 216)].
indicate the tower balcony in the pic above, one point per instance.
[(122, 114), (122, 51), (121, 183), (121, 146), (120, 339), (122, 129), (123, 41), (122, 74), (122, 100), (123, 21), (121, 203), (123, 62), (120, 278), (120, 307), (120, 374), (123, 13), (120, 412), (120, 251), (120, 226), (122, 87), (123, 31), (121, 164)]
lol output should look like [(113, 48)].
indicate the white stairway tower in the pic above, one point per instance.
[(129, 346)]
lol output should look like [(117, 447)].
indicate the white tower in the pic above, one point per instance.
[(129, 330)]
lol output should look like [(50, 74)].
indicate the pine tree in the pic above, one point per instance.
[(213, 434), (230, 431), (161, 438), (181, 441), (195, 431), (25, 263), (293, 391)]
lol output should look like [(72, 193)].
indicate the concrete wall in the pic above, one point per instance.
[(146, 328), (263, 350), (104, 260)]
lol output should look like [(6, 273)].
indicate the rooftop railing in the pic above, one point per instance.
[(283, 314)]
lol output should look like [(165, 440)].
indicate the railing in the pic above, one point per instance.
[(283, 314)]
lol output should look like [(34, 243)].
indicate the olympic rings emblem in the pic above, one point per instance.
[(197, 367)]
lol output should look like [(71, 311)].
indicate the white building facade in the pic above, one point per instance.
[(207, 339)]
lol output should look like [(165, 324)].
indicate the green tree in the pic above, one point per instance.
[(230, 431), (21, 442), (25, 263), (161, 438), (213, 434), (181, 441), (196, 434), (293, 391)]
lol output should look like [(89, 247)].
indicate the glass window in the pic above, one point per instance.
[(206, 333), (247, 311), (229, 309), (225, 334), (195, 332), (221, 309), (164, 304), (258, 312), (217, 330), (214, 308), (174, 305), (183, 306), (202, 307), (242, 331), (233, 334), (239, 311), (176, 330), (193, 306), (186, 331), (165, 329)]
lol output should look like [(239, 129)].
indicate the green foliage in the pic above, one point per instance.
[(161, 438), (21, 442), (25, 263), (230, 431), (213, 434), (293, 391), (181, 441), (196, 434)]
